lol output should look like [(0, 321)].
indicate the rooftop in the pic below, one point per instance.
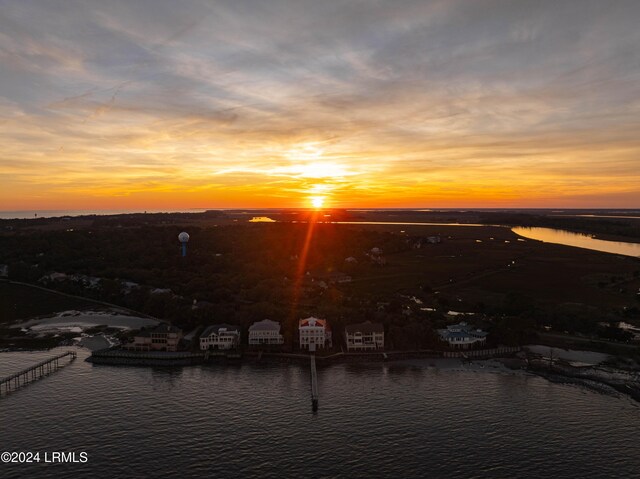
[(461, 330), (312, 322), (163, 328), (215, 329), (366, 327), (265, 325)]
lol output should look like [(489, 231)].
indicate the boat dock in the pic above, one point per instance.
[(314, 384), (35, 372)]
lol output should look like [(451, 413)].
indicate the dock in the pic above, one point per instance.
[(35, 372), (314, 384)]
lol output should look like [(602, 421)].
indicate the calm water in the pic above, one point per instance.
[(568, 238), (254, 420), (548, 235)]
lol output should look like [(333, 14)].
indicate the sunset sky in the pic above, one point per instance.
[(176, 104)]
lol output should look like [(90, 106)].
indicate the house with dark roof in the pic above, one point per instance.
[(220, 336), (365, 336), (463, 336), (265, 332), (163, 337)]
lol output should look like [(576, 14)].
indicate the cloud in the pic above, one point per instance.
[(408, 102)]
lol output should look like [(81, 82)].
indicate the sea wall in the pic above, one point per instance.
[(187, 358), (146, 358)]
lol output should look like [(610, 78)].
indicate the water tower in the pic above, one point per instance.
[(184, 239)]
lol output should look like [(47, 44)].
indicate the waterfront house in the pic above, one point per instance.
[(265, 332), (364, 336), (314, 334), (163, 337), (463, 336), (220, 336)]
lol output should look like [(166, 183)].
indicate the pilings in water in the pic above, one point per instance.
[(32, 373), (314, 384)]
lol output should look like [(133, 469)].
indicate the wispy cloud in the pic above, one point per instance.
[(416, 103)]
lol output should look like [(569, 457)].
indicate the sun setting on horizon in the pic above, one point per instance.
[(317, 201), (411, 106)]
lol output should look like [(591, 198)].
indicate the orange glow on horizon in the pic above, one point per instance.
[(317, 201), (302, 175), (441, 173), (177, 112)]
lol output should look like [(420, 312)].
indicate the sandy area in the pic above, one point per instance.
[(454, 364), (79, 321), (576, 358)]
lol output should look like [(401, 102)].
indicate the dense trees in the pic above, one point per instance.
[(239, 273), (243, 273)]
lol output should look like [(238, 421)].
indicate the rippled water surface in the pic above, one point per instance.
[(254, 420)]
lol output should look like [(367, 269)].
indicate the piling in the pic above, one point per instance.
[(314, 384), (35, 372)]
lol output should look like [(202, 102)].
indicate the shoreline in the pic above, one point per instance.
[(595, 377), (120, 356)]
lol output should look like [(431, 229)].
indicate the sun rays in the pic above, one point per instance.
[(317, 201)]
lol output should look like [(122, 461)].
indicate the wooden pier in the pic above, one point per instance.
[(314, 384), (35, 372)]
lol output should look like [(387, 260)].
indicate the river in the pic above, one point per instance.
[(578, 240), (405, 419), (547, 235)]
